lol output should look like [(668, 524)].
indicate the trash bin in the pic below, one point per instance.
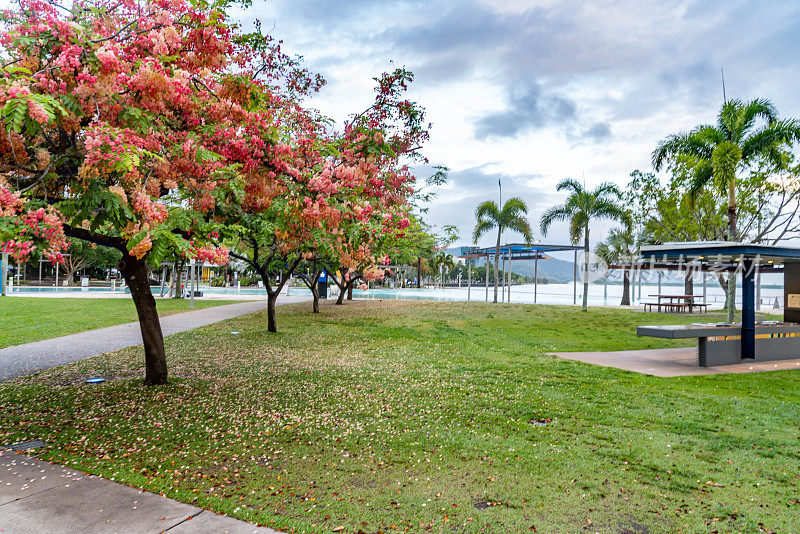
[(322, 285)]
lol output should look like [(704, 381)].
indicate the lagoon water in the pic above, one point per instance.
[(561, 293)]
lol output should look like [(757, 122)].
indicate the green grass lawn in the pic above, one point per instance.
[(413, 416), (27, 319)]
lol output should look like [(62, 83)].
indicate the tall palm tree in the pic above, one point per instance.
[(619, 247), (511, 217), (442, 263), (720, 152), (448, 265), (580, 208)]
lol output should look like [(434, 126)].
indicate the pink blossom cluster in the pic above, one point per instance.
[(10, 203), (214, 255), (107, 55), (37, 229), (142, 247), (152, 212), (323, 182), (19, 250), (17, 91), (373, 273), (362, 211), (106, 144), (37, 112)]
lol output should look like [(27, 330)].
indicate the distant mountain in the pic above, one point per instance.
[(552, 269)]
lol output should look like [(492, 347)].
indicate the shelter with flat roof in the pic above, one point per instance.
[(724, 343), (519, 251)]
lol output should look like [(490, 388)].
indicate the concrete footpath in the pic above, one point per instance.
[(21, 360), (671, 362), (37, 496)]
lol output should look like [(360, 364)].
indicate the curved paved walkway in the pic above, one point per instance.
[(21, 360)]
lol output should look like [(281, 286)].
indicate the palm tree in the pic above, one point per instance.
[(619, 247), (511, 217), (442, 263), (580, 208), (720, 152)]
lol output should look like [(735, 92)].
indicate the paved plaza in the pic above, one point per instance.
[(670, 362)]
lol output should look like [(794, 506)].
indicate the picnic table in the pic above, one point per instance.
[(721, 343), (676, 303)]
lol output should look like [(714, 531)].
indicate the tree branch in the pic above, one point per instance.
[(105, 240)]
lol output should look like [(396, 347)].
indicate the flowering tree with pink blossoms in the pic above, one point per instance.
[(124, 123), (375, 147), (331, 197)]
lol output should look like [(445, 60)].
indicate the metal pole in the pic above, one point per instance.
[(191, 290), (605, 289), (469, 278), (748, 310), (163, 280), (535, 276), (502, 281), (509, 276), (575, 280), (172, 278), (486, 276), (40, 272), (56, 275), (758, 287), (3, 269), (659, 282), (640, 286), (705, 284)]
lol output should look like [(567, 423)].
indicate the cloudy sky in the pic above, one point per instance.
[(533, 91)]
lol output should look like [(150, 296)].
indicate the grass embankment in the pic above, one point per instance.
[(27, 319), (380, 417)]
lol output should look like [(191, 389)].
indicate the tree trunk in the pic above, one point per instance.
[(178, 281), (340, 298), (497, 260), (272, 323), (350, 290), (586, 270), (626, 288), (315, 294), (730, 301), (688, 285), (155, 360), (419, 271), (723, 283)]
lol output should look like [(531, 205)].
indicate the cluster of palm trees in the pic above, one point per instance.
[(512, 216), (441, 265), (580, 208), (745, 132)]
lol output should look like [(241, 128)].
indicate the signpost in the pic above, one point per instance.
[(3, 271)]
